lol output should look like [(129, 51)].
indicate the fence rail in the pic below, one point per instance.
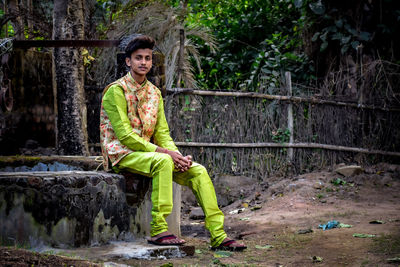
[(294, 99), (259, 135), (288, 145)]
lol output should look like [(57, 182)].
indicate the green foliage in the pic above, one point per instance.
[(338, 181), (257, 38), (281, 136), (260, 39), (339, 30), (352, 26), (278, 55), (7, 27)]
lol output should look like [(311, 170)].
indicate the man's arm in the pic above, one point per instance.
[(114, 104), (161, 135), (166, 145)]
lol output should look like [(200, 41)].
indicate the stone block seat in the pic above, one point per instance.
[(74, 208)]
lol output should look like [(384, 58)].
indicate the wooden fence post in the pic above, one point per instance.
[(288, 80), (181, 56)]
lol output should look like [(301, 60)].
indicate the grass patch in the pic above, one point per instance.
[(387, 244), (343, 214), (291, 240)]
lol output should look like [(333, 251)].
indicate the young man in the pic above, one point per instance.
[(135, 137)]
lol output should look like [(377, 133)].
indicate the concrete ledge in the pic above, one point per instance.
[(138, 249), (72, 209)]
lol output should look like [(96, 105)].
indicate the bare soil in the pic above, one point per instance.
[(21, 257), (275, 212)]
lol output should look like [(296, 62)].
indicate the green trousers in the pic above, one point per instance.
[(161, 168)]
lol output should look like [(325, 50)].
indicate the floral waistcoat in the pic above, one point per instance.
[(142, 107)]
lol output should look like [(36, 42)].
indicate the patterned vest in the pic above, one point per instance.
[(142, 107)]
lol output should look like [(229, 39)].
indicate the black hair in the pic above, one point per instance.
[(140, 42)]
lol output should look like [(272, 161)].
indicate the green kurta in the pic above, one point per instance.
[(144, 160)]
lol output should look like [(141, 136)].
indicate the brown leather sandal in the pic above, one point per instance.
[(160, 241)]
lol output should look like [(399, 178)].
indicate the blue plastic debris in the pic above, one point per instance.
[(329, 225), (41, 167)]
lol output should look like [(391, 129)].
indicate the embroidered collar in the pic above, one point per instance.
[(137, 86)]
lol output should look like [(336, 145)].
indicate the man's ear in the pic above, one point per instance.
[(128, 61)]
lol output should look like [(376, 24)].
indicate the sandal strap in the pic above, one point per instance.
[(165, 237), (227, 243)]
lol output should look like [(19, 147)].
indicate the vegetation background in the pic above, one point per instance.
[(233, 45)]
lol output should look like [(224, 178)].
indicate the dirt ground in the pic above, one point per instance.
[(273, 215)]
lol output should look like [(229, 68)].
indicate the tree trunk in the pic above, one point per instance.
[(68, 79), (16, 20)]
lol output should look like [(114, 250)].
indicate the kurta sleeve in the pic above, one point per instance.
[(161, 132), (115, 106)]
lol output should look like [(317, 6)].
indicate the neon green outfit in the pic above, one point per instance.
[(119, 111)]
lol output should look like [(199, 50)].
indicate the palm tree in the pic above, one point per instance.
[(162, 22)]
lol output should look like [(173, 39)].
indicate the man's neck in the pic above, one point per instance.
[(138, 78)]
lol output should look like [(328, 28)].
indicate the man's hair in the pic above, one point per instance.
[(140, 42)]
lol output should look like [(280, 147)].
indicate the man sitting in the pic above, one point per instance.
[(135, 137)]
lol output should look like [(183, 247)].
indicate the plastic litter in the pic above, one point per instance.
[(256, 208), (222, 254), (317, 259), (376, 222), (343, 225), (334, 224), (393, 260), (237, 211), (41, 167), (329, 225), (363, 235), (264, 247)]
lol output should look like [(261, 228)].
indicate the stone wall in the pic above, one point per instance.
[(75, 208)]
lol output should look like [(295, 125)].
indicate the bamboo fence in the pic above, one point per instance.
[(259, 135)]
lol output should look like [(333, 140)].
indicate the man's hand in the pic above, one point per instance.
[(182, 163)]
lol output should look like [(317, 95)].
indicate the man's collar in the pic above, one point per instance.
[(137, 85)]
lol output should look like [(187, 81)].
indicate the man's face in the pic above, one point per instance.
[(140, 62)]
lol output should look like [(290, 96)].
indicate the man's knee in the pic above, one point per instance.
[(199, 170), (162, 160)]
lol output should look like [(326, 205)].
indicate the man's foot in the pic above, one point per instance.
[(230, 244), (166, 239)]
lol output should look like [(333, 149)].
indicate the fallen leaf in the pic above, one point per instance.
[(317, 259), (256, 208), (363, 235), (264, 247), (343, 225), (222, 254)]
